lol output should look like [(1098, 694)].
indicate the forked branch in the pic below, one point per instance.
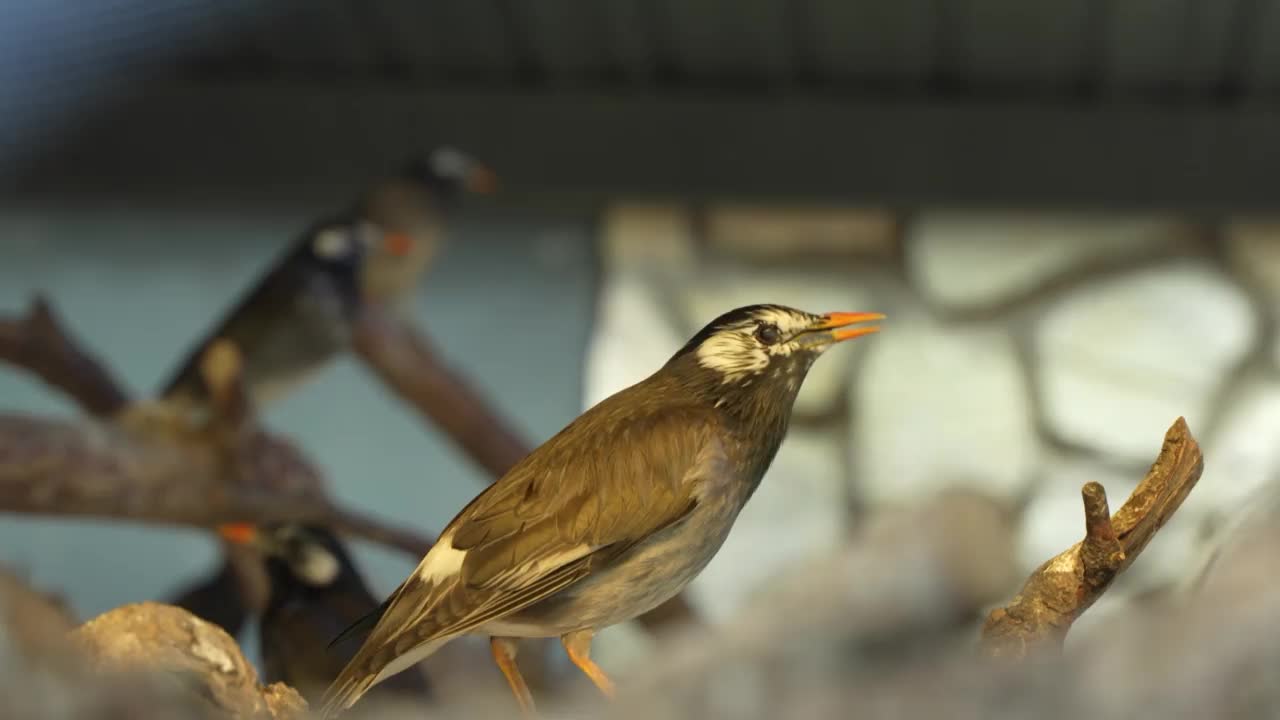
[(1059, 591)]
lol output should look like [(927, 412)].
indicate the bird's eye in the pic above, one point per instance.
[(768, 333)]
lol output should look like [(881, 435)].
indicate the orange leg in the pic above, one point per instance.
[(504, 653), (578, 645)]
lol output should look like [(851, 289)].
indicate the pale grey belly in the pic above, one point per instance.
[(646, 576)]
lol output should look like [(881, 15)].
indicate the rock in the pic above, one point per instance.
[(638, 236), (938, 406), (1122, 358), (1242, 552), (34, 624), (784, 233), (1253, 251), (168, 641), (723, 287), (799, 510), (968, 260), (1241, 455)]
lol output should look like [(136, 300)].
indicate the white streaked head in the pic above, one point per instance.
[(744, 342)]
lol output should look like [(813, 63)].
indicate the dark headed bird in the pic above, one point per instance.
[(613, 515), (299, 314), (315, 593)]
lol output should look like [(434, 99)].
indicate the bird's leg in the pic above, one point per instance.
[(504, 653), (578, 645)]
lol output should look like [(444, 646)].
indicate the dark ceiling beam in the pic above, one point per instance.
[(264, 140)]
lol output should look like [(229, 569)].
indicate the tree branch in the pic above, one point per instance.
[(147, 464), (407, 363), (38, 344), (1061, 589)]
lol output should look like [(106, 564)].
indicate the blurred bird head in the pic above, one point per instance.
[(758, 355), (294, 554), (411, 209), (449, 172)]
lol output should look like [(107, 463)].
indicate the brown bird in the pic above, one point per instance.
[(315, 591), (613, 515)]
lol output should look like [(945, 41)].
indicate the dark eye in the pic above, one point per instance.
[(769, 334)]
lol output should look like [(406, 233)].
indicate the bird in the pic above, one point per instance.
[(614, 514), (299, 314), (221, 597), (314, 592)]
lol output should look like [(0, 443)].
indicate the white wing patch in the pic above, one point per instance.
[(331, 244), (443, 561)]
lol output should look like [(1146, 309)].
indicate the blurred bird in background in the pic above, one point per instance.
[(315, 592), (615, 514), (299, 315)]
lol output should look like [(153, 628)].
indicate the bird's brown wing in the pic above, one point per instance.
[(606, 482)]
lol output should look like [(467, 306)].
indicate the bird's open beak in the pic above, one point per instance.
[(481, 180), (835, 327)]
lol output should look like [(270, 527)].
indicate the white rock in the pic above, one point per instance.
[(799, 510), (653, 235), (1241, 456), (1253, 248), (632, 338), (976, 259), (938, 406), (786, 232), (725, 287), (1123, 358)]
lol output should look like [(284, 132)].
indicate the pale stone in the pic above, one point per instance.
[(1123, 358), (786, 232), (647, 235), (1253, 249), (973, 259), (632, 337), (724, 288), (1241, 456), (799, 510), (939, 406)]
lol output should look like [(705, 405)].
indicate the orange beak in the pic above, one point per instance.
[(397, 244), (481, 180), (837, 323), (239, 533)]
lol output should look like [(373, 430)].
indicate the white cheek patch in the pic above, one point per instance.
[(734, 355), (331, 244), (318, 567)]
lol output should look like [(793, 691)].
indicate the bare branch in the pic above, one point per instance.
[(38, 343), (1061, 589), (50, 467), (147, 464), (408, 365)]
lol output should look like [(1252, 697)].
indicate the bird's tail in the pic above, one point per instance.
[(343, 693)]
